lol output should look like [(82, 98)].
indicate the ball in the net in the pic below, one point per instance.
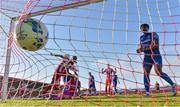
[(31, 34)]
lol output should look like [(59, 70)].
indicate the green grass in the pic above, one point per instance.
[(117, 100)]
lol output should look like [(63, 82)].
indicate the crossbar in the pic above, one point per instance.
[(60, 8)]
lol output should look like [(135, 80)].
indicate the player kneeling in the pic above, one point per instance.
[(72, 87), (61, 71)]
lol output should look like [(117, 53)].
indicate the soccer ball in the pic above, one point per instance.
[(31, 34)]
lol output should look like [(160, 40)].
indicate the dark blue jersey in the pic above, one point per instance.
[(91, 80), (115, 78), (146, 40)]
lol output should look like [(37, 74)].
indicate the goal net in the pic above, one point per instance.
[(98, 33)]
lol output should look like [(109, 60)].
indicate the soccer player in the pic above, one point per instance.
[(78, 87), (108, 72), (115, 81), (72, 67), (149, 44), (72, 85), (62, 71), (157, 87), (92, 86), (64, 67)]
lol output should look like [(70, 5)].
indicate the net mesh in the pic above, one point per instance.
[(98, 33)]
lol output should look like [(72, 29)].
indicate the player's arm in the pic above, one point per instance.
[(76, 73), (139, 49), (103, 71), (57, 55), (115, 70), (155, 43)]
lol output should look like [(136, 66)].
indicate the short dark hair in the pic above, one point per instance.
[(75, 58), (144, 25)]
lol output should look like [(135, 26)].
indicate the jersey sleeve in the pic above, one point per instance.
[(156, 38)]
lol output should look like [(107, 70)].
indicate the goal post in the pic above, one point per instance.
[(7, 62)]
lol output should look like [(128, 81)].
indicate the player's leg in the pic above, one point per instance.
[(94, 88), (66, 76), (78, 91), (158, 89), (115, 86), (147, 66), (109, 88), (56, 79), (147, 79), (106, 86), (158, 70), (89, 89)]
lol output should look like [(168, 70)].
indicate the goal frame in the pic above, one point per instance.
[(61, 8)]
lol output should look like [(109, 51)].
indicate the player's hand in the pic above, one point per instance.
[(102, 70), (139, 50)]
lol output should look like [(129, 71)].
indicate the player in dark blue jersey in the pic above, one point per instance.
[(115, 81), (92, 86), (149, 44)]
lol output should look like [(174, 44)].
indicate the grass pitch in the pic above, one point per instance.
[(116, 100)]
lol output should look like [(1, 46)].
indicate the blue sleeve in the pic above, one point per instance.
[(156, 38)]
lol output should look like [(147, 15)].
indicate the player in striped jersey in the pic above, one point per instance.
[(108, 72), (62, 71)]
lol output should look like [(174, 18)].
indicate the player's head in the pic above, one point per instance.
[(144, 27), (75, 59), (90, 73), (108, 65)]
